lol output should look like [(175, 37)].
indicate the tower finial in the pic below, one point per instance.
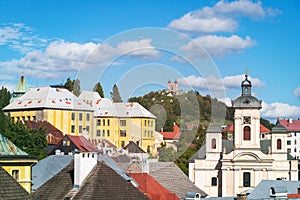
[(246, 75)]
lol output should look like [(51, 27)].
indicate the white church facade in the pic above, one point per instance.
[(230, 167)]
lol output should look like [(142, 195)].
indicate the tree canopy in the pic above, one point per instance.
[(33, 142), (98, 88), (115, 94), (73, 86)]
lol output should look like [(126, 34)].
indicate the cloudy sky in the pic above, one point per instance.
[(140, 45)]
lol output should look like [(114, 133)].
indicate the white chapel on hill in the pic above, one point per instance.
[(230, 167)]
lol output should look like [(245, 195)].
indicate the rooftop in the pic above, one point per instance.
[(10, 189), (290, 124), (48, 97), (7, 148)]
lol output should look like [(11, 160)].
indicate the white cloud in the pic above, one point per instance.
[(61, 58), (20, 37), (279, 110), (190, 22), (217, 46), (217, 84), (226, 100), (297, 92), (220, 17)]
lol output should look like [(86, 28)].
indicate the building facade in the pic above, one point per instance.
[(121, 122), (293, 141), (230, 167), (58, 106)]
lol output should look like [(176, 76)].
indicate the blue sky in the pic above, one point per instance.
[(205, 45)]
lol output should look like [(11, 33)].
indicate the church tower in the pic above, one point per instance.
[(21, 89), (246, 118)]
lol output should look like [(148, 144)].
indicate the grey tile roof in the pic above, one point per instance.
[(47, 168), (10, 189), (104, 183), (173, 179), (262, 190), (112, 164), (58, 186), (132, 147)]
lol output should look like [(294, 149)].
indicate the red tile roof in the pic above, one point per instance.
[(54, 135), (293, 196), (230, 128), (153, 189), (82, 143), (294, 126), (175, 134)]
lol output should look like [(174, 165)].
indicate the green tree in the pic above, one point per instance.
[(76, 87), (98, 88), (115, 94), (69, 84), (73, 86)]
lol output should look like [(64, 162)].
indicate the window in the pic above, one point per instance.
[(108, 122), (148, 149), (148, 123), (213, 143), (15, 174), (73, 129), (246, 179), (214, 181), (73, 116), (295, 150), (122, 122), (262, 136), (80, 129), (288, 142), (34, 118), (122, 144), (103, 133), (80, 116), (289, 150), (148, 133), (103, 122), (278, 144), (151, 133), (145, 124), (145, 133), (88, 117), (247, 133), (123, 133), (151, 123), (108, 133), (64, 143), (87, 128), (295, 142), (98, 122), (98, 133)]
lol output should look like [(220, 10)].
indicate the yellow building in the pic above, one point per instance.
[(121, 122), (16, 162), (58, 106)]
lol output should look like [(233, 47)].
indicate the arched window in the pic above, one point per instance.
[(279, 144), (213, 143), (247, 133)]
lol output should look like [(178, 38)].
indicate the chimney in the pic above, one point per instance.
[(84, 162), (290, 120)]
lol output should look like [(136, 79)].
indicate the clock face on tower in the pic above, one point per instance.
[(247, 120)]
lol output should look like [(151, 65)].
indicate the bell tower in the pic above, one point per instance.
[(246, 118)]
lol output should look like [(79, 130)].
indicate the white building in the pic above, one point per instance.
[(293, 142), (230, 167)]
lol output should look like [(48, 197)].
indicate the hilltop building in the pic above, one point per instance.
[(21, 89), (16, 162), (230, 167)]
